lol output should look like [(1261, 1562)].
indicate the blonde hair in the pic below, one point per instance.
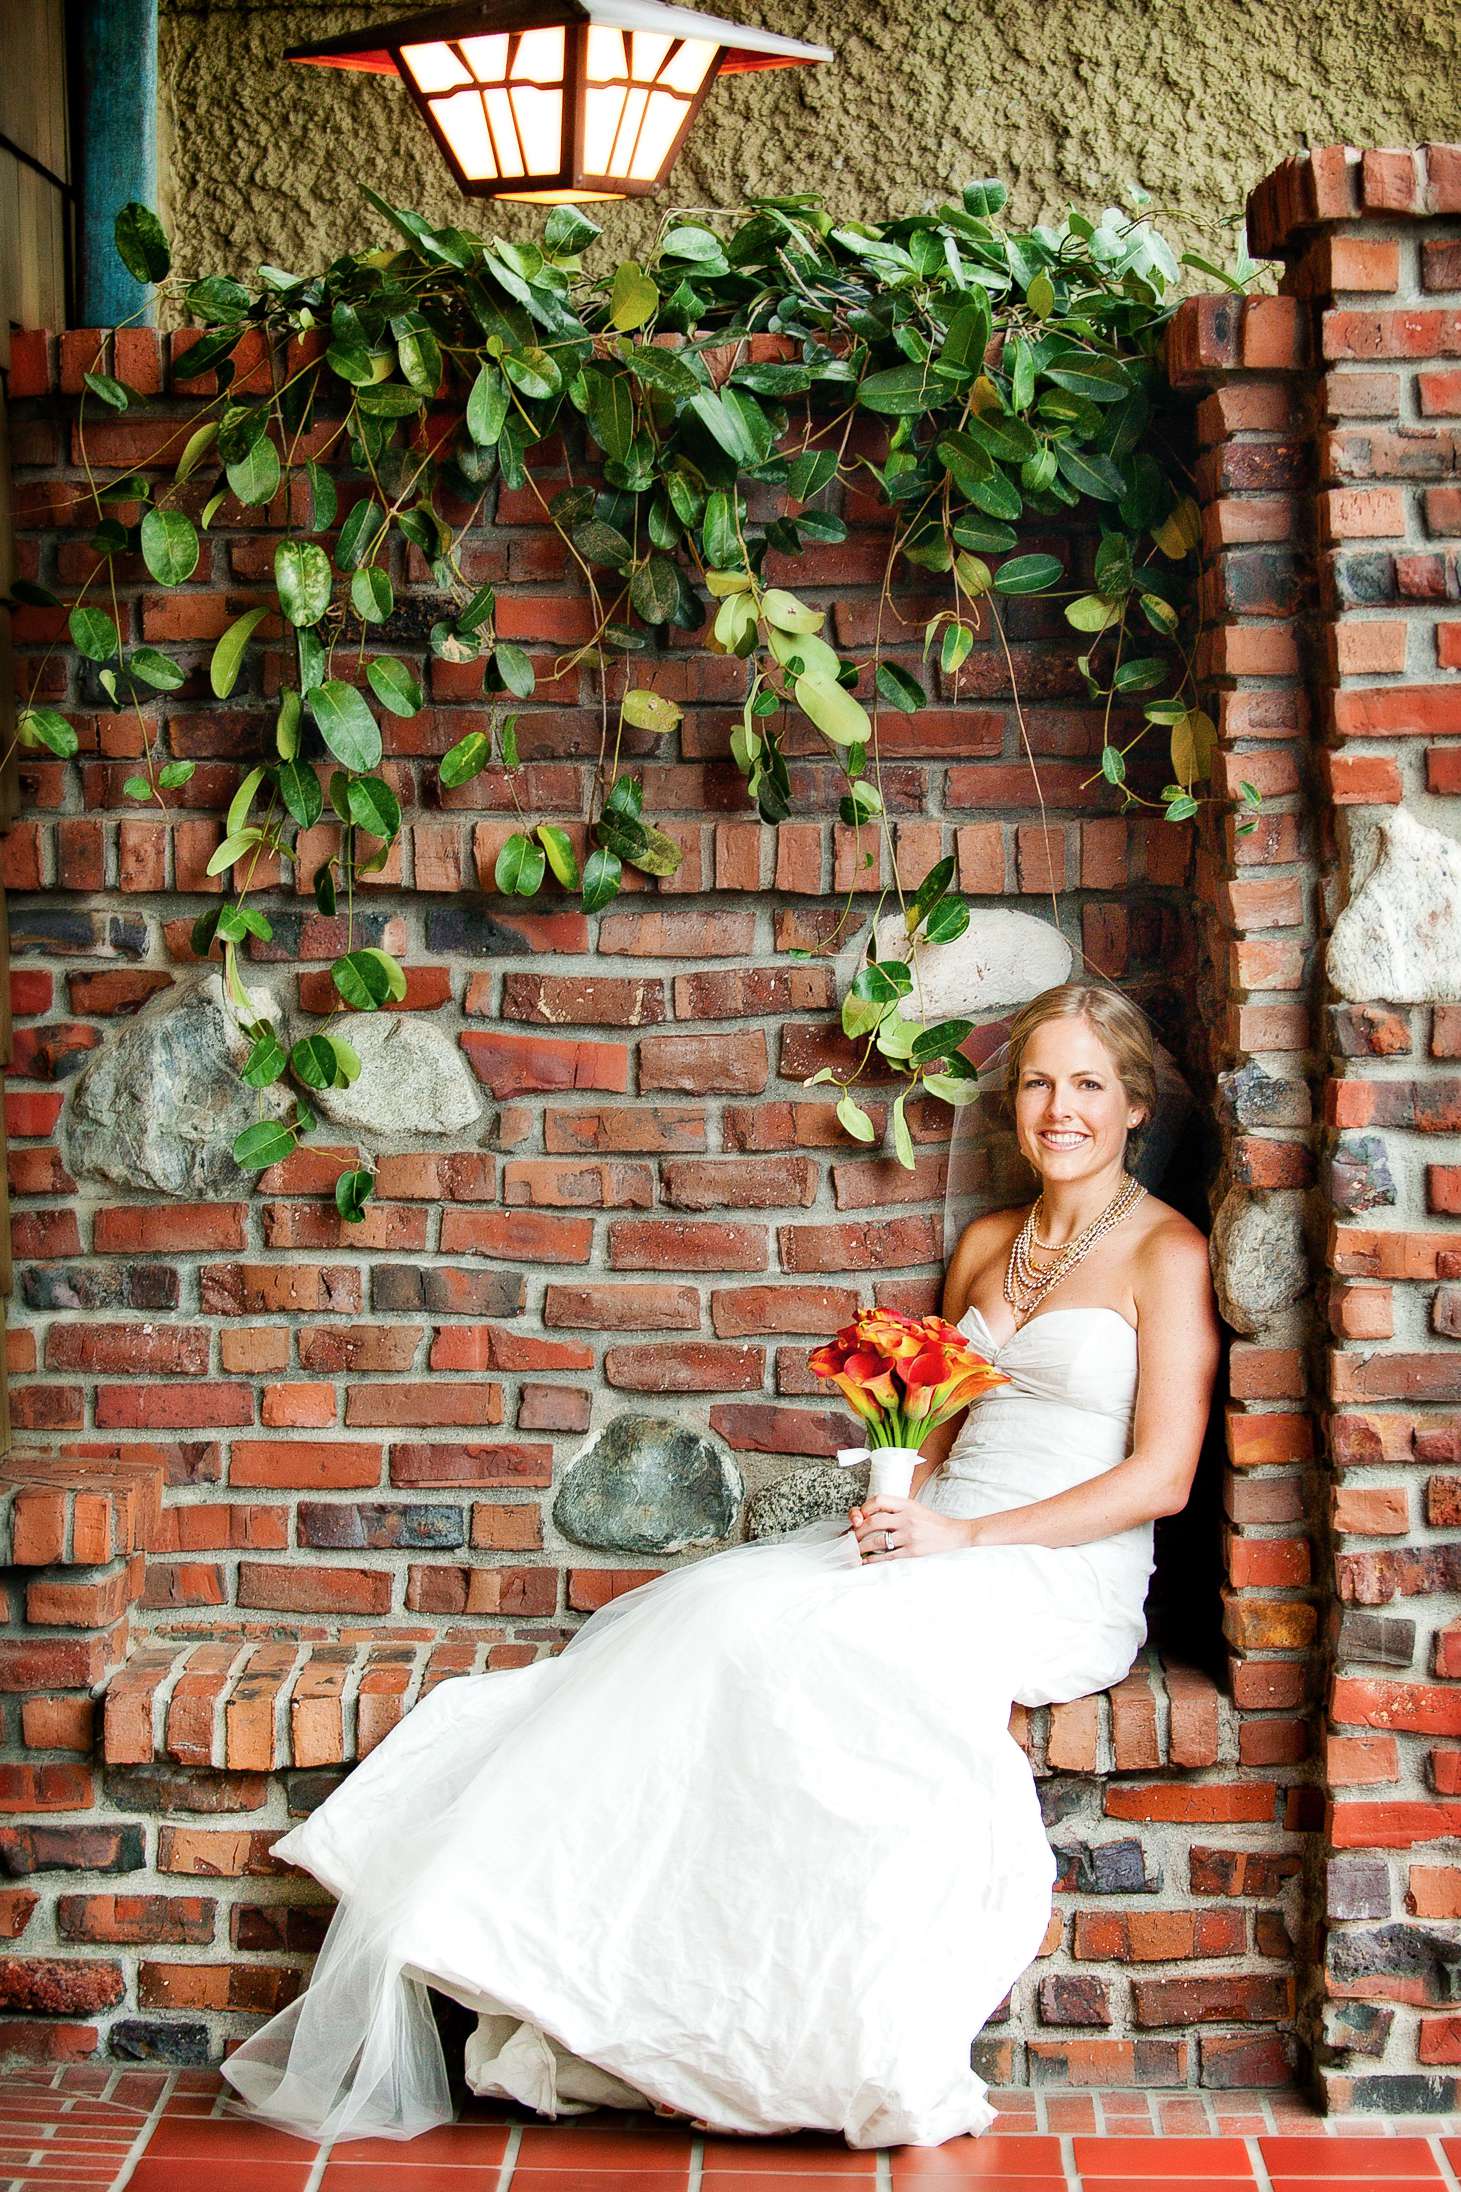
[(1122, 1028)]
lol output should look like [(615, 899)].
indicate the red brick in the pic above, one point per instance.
[(516, 1065), (298, 1588), (305, 1465), (170, 1228)]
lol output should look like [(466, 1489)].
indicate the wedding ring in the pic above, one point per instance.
[(889, 1541)]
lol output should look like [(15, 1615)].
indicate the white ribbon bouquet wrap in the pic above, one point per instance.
[(890, 1467)]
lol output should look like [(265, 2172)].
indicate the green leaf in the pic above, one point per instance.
[(394, 686), (833, 709), (930, 890), (242, 800), (956, 644), (1092, 613), (941, 1041), (373, 806), (1113, 764), (174, 774), (654, 590), (108, 391), (740, 426), (93, 634), (391, 968), (358, 535), (217, 299), (372, 595), (487, 406), (948, 919), (169, 546), (255, 478), (323, 499), (142, 244), (534, 371), (299, 788), (514, 668), (809, 473), (657, 853), (1140, 675), (302, 580), (983, 199), (967, 338), (478, 611), (468, 758), (648, 711), (602, 872), (267, 1142), (323, 886), (902, 1139), (1097, 380), (633, 299), (855, 1121), (788, 614), (233, 848), (354, 1189), (345, 723), (519, 866), (949, 1090), (569, 231), (312, 1060), (1090, 473), (137, 787), (1040, 296), (1027, 574), (902, 391), (559, 849), (155, 669), (419, 354), (899, 689), (286, 725), (266, 1061), (361, 980)]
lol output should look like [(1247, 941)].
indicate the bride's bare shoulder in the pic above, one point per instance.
[(983, 1234), (1168, 1242)]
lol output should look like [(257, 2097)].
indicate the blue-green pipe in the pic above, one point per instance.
[(114, 124)]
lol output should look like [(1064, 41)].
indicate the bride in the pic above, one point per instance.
[(757, 1847)]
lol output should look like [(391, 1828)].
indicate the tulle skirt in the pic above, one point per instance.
[(756, 1847)]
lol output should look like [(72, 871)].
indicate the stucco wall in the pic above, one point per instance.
[(1070, 100)]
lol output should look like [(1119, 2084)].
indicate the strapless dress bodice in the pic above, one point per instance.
[(1064, 1416)]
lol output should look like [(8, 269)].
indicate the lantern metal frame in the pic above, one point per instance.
[(378, 51)]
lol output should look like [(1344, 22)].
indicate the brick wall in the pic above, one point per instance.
[(360, 1428)]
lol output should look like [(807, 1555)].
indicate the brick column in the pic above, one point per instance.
[(1372, 250)]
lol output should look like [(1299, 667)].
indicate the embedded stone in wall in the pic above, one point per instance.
[(1399, 938), (1252, 1097), (413, 1080), (1260, 1265), (804, 1495), (646, 1484), (160, 1104), (1002, 958), (1359, 1173)]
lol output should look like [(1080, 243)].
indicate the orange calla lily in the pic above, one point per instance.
[(903, 1375)]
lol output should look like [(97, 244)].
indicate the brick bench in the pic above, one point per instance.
[(264, 1707)]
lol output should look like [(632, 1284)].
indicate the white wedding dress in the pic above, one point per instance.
[(757, 1846)]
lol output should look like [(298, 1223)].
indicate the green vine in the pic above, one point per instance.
[(1011, 374)]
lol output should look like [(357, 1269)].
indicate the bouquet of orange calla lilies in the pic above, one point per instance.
[(904, 1375)]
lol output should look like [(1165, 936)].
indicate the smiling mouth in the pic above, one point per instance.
[(1064, 1141)]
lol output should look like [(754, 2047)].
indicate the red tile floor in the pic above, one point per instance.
[(90, 2128)]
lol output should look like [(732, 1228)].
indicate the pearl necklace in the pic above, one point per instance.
[(1025, 1284)]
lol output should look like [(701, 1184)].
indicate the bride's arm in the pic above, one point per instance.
[(1178, 1352)]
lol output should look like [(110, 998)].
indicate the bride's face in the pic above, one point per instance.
[(1072, 1114)]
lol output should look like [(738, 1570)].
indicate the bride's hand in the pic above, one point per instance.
[(914, 1529)]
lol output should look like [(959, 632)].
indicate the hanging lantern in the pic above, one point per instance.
[(554, 102)]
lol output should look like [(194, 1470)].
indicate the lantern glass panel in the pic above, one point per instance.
[(602, 108), (664, 118), (605, 54), (434, 67), (539, 56), (464, 126), (486, 57), (626, 136), (687, 66), (650, 48), (539, 117), (504, 132)]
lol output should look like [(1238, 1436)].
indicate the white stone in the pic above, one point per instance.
[(413, 1080), (1398, 941), (1260, 1263), (161, 1103), (1002, 958)]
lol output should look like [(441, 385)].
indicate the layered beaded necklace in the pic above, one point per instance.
[(1025, 1283)]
